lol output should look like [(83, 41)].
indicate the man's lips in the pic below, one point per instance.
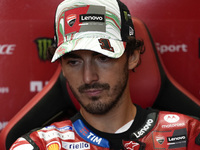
[(93, 89), (93, 92)]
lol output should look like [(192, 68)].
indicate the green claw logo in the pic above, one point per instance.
[(42, 45)]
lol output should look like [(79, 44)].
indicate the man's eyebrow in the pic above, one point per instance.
[(70, 55), (95, 53)]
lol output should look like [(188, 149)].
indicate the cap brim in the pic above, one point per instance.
[(109, 47)]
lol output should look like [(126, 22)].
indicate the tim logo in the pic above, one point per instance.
[(71, 19), (171, 118), (42, 46), (84, 131)]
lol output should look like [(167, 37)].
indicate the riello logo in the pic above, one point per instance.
[(75, 145)]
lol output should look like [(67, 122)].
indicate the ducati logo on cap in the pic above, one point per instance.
[(71, 19)]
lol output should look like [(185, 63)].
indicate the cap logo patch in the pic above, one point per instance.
[(71, 19), (105, 44)]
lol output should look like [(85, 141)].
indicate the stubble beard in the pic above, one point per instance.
[(98, 106)]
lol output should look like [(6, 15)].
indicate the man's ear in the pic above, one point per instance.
[(134, 59), (62, 67)]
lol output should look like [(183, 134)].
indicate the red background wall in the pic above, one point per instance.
[(24, 70)]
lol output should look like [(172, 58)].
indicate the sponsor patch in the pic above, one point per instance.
[(131, 145), (172, 121), (53, 146), (173, 125), (71, 19), (92, 17), (55, 134), (88, 135), (177, 141), (75, 145), (61, 129), (144, 129), (171, 118), (170, 139), (81, 19), (160, 139)]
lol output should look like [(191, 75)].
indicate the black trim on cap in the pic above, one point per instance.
[(126, 21)]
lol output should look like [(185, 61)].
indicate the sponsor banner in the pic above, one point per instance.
[(177, 141), (3, 124), (172, 121), (75, 145), (4, 90), (61, 129), (164, 48), (170, 139), (88, 135), (144, 129), (55, 134), (42, 46), (37, 86), (7, 49)]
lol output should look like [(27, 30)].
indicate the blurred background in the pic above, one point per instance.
[(27, 29)]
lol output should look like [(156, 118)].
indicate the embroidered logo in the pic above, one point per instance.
[(131, 145), (160, 139), (71, 19), (53, 146)]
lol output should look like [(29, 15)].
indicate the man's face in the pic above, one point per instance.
[(98, 82)]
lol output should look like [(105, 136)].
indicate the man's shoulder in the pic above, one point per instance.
[(55, 130), (172, 117), (35, 139), (60, 126), (175, 120)]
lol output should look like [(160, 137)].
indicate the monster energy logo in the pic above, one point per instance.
[(42, 45)]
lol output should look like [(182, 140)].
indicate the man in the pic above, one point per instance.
[(96, 47)]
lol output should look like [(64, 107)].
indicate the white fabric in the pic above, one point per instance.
[(125, 127)]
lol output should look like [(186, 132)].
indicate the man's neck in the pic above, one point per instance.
[(110, 122)]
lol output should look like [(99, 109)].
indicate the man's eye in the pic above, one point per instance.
[(72, 62), (103, 58)]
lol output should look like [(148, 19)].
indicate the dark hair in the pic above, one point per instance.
[(50, 51), (132, 45)]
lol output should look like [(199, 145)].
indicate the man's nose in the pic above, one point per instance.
[(90, 74)]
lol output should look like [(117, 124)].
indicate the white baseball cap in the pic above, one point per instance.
[(102, 26)]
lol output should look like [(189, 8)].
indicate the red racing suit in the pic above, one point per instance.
[(151, 130)]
